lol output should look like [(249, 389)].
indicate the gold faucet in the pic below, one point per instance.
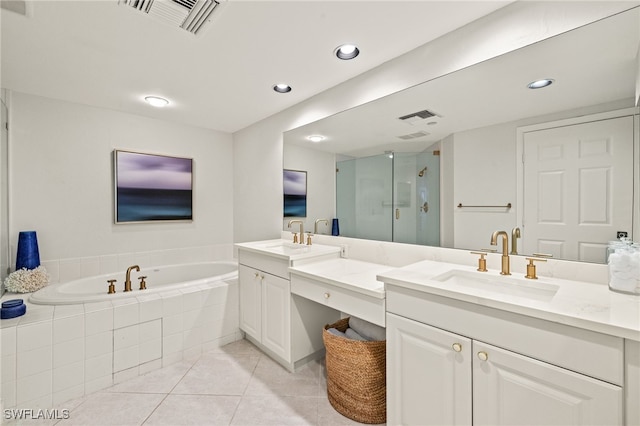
[(301, 230), (515, 234), (127, 281), (315, 227), (505, 250)]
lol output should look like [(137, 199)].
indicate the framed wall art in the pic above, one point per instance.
[(152, 187), (295, 193)]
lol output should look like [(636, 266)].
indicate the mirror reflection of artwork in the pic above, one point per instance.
[(295, 193), (152, 187)]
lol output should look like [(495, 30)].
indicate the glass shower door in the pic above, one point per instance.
[(364, 197), (416, 198), (390, 197)]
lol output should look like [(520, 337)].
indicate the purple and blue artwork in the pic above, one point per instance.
[(295, 193), (152, 187)]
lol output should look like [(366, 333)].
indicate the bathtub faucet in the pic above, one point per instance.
[(127, 281)]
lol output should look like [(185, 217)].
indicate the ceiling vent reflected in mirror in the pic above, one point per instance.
[(413, 135), (17, 6), (417, 116), (190, 15)]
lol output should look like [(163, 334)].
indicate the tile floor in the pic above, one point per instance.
[(236, 384)]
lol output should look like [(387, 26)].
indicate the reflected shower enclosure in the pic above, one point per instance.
[(390, 197), (295, 193), (152, 188)]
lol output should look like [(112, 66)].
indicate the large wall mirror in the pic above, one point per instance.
[(441, 163)]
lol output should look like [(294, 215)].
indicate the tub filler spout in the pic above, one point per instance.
[(127, 281)]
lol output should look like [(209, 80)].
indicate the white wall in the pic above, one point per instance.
[(320, 168), (487, 182), (493, 180), (258, 149), (61, 181)]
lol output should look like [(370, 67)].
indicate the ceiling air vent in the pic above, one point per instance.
[(417, 116), (17, 6), (413, 135), (190, 15)]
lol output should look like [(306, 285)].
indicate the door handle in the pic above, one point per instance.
[(397, 213)]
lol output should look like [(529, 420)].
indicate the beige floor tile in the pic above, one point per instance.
[(239, 347), (157, 381), (328, 416), (276, 410), (218, 374), (179, 410), (270, 378), (105, 408)]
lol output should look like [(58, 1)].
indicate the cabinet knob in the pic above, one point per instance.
[(457, 347), (327, 295), (256, 275), (483, 356)]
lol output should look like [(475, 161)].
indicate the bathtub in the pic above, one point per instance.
[(105, 339), (159, 279)]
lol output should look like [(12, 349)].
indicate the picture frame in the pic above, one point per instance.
[(152, 187), (295, 193)]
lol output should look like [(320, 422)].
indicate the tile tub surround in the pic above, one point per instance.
[(63, 270), (57, 353), (236, 384)]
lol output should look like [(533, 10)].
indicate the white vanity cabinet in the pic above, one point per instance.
[(285, 326), (428, 375), (265, 309), (456, 363)]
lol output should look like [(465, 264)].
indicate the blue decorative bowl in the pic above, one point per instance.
[(12, 308)]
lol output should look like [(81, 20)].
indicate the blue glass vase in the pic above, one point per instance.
[(335, 228), (28, 256)]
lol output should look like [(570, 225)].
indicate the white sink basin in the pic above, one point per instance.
[(287, 248), (505, 285)]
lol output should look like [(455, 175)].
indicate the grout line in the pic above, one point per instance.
[(166, 395), (244, 392)]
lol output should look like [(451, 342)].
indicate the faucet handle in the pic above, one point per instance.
[(531, 268), (143, 283), (542, 254), (295, 238), (309, 235), (482, 262), (112, 286)]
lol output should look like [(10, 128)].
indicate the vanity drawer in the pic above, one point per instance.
[(270, 264), (594, 354), (363, 306)]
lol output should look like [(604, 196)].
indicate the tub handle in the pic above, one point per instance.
[(112, 286), (143, 283)]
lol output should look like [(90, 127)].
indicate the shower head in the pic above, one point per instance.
[(421, 172)]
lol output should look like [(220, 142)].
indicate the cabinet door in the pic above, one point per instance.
[(276, 315), (511, 389), (250, 281), (428, 375)]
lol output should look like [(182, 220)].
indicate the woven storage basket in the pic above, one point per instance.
[(356, 376)]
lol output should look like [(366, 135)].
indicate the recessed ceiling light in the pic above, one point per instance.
[(156, 101), (282, 88), (347, 51), (315, 138), (539, 84)]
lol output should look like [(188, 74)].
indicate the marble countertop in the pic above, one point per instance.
[(584, 305), (284, 249), (350, 274)]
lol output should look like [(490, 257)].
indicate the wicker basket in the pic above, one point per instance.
[(356, 376)]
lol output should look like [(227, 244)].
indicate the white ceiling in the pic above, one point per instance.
[(100, 53), (592, 65)]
